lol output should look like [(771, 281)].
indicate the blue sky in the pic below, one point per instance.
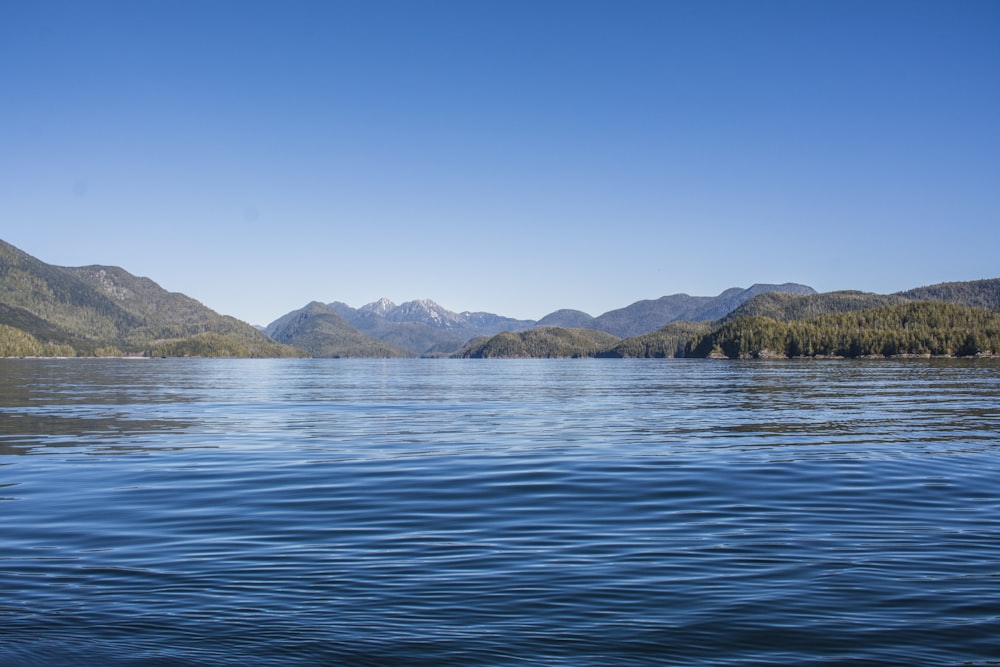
[(512, 156)]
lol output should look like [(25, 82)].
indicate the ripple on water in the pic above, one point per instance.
[(424, 512)]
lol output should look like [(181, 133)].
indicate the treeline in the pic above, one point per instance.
[(908, 329), (977, 293), (17, 343), (211, 344)]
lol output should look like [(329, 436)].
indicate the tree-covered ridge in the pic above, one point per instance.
[(104, 310), (786, 307), (212, 344), (59, 298), (906, 329), (158, 314), (980, 293), (543, 342), (666, 342), (17, 343)]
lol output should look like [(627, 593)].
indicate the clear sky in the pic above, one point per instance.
[(513, 156)]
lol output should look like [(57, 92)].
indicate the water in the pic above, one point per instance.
[(437, 512)]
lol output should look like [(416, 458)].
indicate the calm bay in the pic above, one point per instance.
[(499, 512)]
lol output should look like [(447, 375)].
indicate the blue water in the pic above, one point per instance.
[(539, 512)]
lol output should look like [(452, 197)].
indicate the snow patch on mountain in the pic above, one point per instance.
[(381, 307), (426, 311)]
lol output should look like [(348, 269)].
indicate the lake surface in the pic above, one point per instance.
[(442, 512)]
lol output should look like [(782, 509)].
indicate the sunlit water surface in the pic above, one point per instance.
[(566, 512)]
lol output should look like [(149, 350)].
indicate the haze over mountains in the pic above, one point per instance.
[(47, 310)]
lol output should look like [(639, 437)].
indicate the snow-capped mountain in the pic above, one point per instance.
[(423, 326), (426, 312), (380, 307)]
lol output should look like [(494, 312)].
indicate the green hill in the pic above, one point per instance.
[(104, 310), (668, 341), (787, 307), (775, 324), (978, 293), (542, 342), (752, 332), (17, 343), (922, 328)]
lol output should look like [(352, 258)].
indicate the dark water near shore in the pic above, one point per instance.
[(422, 512)]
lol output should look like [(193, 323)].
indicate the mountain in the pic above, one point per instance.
[(107, 310), (414, 337), (467, 324), (649, 315), (380, 307), (488, 323), (568, 318), (322, 332), (423, 326), (426, 312)]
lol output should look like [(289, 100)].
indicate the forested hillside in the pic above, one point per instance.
[(104, 310), (914, 328), (669, 341), (779, 306), (17, 343), (787, 307), (544, 342), (981, 293)]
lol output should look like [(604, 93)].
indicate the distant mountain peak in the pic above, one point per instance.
[(427, 311), (318, 328), (380, 307)]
